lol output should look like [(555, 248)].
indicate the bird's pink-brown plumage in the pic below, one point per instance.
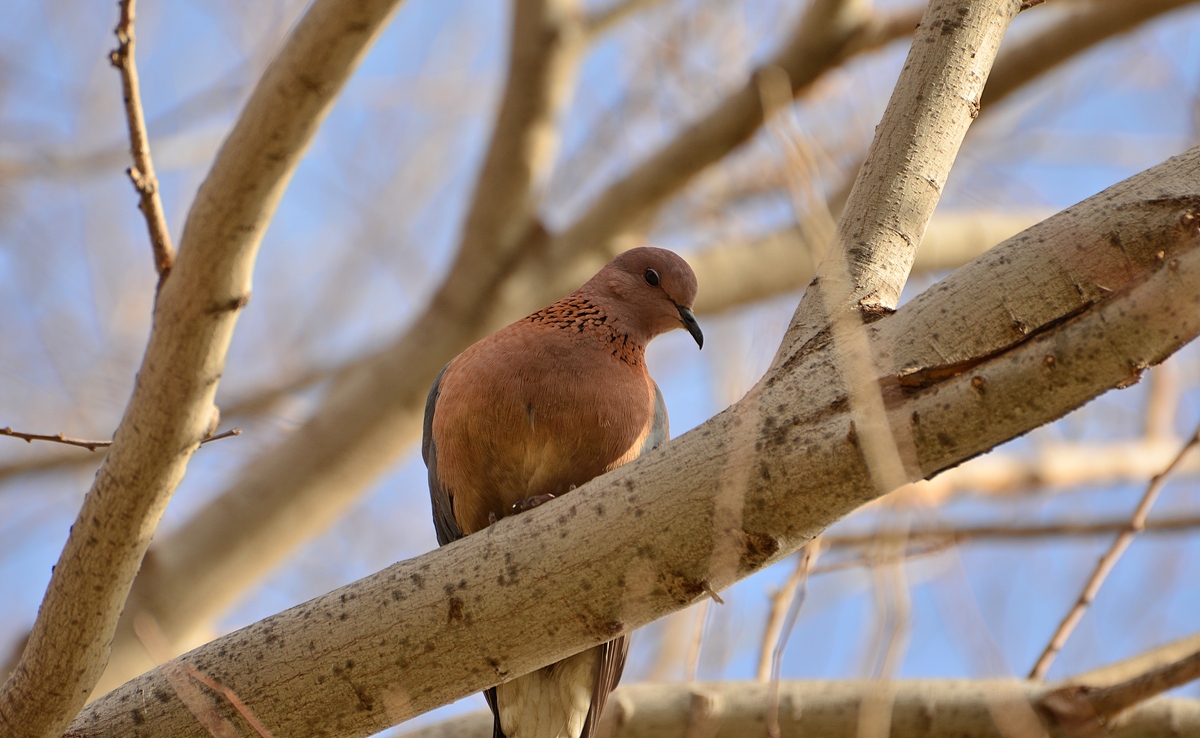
[(538, 408)]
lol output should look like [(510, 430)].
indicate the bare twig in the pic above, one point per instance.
[(692, 665), (93, 445), (142, 171), (1107, 562), (56, 438), (242, 708)]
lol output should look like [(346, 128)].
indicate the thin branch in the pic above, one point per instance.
[(929, 542), (1136, 524), (93, 445), (142, 171), (937, 536), (56, 438), (1080, 28), (1080, 707), (1141, 663)]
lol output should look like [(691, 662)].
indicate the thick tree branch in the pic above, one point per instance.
[(925, 708), (142, 171), (638, 543), (1108, 561), (172, 405)]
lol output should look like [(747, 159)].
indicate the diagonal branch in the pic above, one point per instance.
[(1108, 561), (172, 405), (1081, 707), (1082, 27), (142, 171)]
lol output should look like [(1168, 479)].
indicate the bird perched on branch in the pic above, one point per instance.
[(538, 408)]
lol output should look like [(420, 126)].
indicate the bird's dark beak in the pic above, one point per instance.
[(689, 322)]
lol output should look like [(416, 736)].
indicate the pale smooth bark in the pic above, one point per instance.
[(921, 708), (172, 405), (1019, 337)]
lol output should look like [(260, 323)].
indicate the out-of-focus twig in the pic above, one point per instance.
[(1162, 399), (1136, 524), (603, 20), (929, 536), (788, 600), (142, 171)]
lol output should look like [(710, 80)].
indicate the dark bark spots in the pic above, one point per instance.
[(456, 610)]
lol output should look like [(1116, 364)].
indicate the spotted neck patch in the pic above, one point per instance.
[(578, 314)]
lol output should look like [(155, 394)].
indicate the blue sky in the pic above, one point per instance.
[(369, 223)]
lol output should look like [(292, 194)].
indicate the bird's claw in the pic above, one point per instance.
[(531, 503)]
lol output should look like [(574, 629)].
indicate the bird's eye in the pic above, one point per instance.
[(651, 277)]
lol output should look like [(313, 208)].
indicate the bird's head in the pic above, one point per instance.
[(654, 289)]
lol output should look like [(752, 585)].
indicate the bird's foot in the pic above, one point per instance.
[(529, 504)]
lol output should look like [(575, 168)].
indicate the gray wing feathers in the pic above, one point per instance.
[(608, 674), (660, 428), (439, 497)]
